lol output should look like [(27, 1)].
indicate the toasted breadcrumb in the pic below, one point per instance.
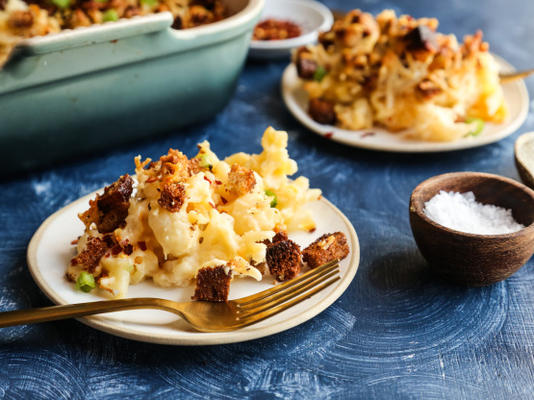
[(109, 210), (213, 283), (172, 196), (91, 254), (241, 180), (284, 259), (330, 246)]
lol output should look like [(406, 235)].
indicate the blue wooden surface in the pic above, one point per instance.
[(397, 332)]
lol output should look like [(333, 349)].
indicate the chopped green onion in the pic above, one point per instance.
[(272, 194), (149, 3), (478, 126), (110, 15), (85, 282), (61, 3), (319, 74), (204, 161)]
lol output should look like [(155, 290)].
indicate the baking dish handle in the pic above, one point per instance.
[(93, 34)]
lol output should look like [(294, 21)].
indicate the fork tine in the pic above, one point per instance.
[(269, 292), (284, 296), (273, 311), (311, 279)]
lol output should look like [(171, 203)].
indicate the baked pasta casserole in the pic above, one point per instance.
[(177, 216), (401, 74), (24, 19)]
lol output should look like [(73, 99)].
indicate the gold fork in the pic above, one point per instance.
[(202, 315), (506, 77)]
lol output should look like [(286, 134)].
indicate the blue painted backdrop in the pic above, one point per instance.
[(396, 332)]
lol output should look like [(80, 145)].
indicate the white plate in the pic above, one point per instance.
[(50, 251), (312, 17), (515, 95)]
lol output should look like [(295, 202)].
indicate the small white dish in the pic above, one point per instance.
[(311, 16), (515, 94), (50, 250)]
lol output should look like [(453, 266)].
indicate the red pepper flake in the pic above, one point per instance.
[(206, 178), (142, 245), (211, 204), (224, 201), (128, 249), (151, 179), (218, 182), (75, 241), (366, 134), (329, 135)]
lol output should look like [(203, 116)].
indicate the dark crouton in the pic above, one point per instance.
[(421, 38), (322, 111), (328, 247), (172, 196), (241, 180), (178, 23), (109, 210), (279, 237), (213, 283), (306, 65), (284, 259), (91, 255), (20, 19)]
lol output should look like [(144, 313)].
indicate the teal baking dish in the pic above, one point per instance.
[(80, 90)]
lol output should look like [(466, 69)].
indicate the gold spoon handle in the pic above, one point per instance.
[(512, 76), (52, 313)]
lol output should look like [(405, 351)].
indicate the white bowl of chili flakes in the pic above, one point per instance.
[(287, 24)]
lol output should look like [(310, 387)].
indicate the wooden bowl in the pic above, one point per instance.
[(524, 158), (470, 259)]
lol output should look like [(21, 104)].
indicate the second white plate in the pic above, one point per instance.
[(50, 251), (515, 94)]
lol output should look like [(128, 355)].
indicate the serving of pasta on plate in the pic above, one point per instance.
[(400, 74), (177, 216)]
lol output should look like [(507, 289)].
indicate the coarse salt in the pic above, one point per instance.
[(461, 212)]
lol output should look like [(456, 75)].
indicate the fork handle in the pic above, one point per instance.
[(512, 76), (35, 315)]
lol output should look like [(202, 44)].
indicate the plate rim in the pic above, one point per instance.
[(421, 147), (119, 328)]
